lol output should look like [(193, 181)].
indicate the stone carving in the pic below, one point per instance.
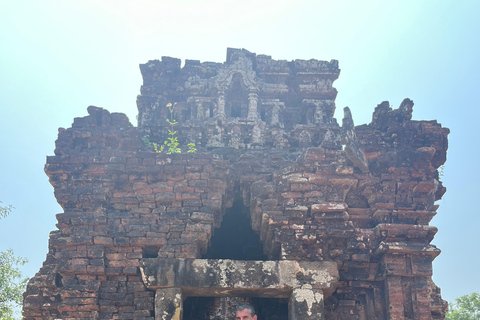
[(252, 92), (350, 203)]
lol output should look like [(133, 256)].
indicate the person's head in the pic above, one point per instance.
[(245, 312)]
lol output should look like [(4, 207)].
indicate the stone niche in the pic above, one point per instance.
[(280, 206)]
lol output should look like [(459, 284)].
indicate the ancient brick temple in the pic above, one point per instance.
[(281, 206)]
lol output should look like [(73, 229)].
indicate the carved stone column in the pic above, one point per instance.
[(252, 106), (258, 133), (169, 304), (221, 104), (275, 120), (200, 111)]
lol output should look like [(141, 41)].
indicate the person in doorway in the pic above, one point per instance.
[(245, 312)]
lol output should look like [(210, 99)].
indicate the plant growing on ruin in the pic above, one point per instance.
[(171, 145), (152, 145), (172, 140), (191, 147), (441, 171)]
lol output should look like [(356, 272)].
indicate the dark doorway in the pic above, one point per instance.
[(199, 308), (235, 239), (208, 308), (270, 308), (236, 103)]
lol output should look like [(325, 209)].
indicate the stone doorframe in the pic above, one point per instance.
[(306, 284)]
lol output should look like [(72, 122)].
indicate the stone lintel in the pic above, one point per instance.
[(208, 277)]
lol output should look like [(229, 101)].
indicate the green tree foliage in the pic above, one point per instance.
[(12, 283), (4, 211), (466, 307)]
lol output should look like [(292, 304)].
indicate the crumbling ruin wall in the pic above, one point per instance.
[(358, 198), (120, 205)]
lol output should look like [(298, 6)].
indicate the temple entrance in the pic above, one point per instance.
[(210, 308), (235, 240), (235, 270), (304, 284)]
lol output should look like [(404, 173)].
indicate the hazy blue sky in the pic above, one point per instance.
[(58, 57)]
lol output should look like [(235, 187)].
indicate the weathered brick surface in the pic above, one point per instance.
[(266, 135)]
